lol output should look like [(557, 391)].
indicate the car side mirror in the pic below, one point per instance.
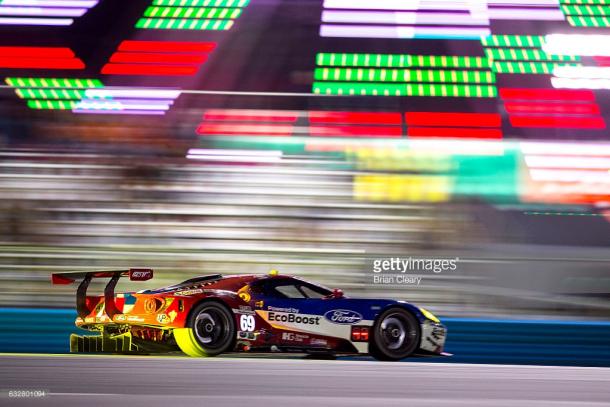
[(337, 293)]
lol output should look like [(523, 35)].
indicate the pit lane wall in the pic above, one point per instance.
[(471, 340)]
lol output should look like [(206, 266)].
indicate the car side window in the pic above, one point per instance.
[(313, 292), (290, 291)]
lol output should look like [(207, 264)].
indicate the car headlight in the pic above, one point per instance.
[(429, 315)]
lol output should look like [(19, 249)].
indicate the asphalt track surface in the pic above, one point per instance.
[(74, 380)]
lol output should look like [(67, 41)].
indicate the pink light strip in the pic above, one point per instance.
[(377, 31), (35, 21), (51, 3), (42, 11), (391, 17)]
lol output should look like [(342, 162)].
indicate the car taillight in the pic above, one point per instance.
[(360, 333)]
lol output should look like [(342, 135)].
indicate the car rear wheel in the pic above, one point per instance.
[(210, 331), (396, 335)]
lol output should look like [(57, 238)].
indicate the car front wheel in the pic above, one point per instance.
[(396, 335)]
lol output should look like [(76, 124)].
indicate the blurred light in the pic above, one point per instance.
[(40, 11), (355, 117), (565, 122), (374, 89), (525, 54), (556, 107), (372, 31), (577, 83), (244, 129), (211, 3), (563, 148), (147, 58), (390, 17), (401, 60), (582, 72), (166, 46), (546, 94), (527, 67), (183, 24), (39, 58), (526, 13), (355, 131), (577, 44), (534, 161), (50, 93), (512, 41), (454, 132), (246, 156), (51, 3), (404, 75), (142, 69), (192, 12), (251, 115), (580, 176), (453, 119), (51, 104), (53, 83), (589, 21), (133, 93), (602, 61)]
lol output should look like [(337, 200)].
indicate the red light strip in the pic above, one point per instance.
[(145, 69), (558, 122), (547, 94), (355, 117), (156, 58), (355, 131), (454, 132), (166, 46), (41, 63), (602, 61), (533, 107), (217, 129), (251, 115), (37, 52), (453, 119)]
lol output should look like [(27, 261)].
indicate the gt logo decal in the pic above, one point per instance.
[(247, 323)]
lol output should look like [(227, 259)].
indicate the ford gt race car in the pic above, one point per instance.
[(213, 314)]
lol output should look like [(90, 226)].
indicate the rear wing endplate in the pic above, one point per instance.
[(135, 274)]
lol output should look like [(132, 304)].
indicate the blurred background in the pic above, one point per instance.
[(236, 136)]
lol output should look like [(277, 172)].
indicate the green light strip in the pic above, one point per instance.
[(512, 41), (202, 3), (586, 10), (403, 75), (192, 12), (581, 21), (50, 93), (525, 54), (400, 61), (585, 1), (53, 83), (527, 67), (51, 104), (382, 89), (183, 24)]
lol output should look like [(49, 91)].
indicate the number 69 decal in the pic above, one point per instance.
[(247, 323)]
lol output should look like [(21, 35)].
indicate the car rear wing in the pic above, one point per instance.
[(135, 274)]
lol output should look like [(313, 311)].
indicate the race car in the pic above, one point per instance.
[(214, 314)]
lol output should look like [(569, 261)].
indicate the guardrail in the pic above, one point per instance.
[(577, 343)]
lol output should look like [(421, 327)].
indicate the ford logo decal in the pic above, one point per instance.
[(343, 316)]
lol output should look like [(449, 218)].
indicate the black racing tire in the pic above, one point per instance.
[(396, 335), (213, 327)]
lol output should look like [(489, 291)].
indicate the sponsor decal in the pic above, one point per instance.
[(293, 318), (343, 316), (135, 319), (278, 309), (186, 293), (89, 319), (140, 274), (120, 317), (318, 342), (259, 304), (247, 323), (294, 337), (245, 296), (245, 309), (163, 319)]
